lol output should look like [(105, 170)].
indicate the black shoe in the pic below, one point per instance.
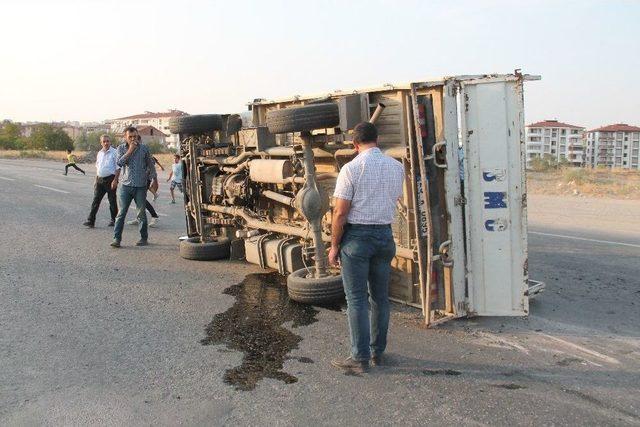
[(351, 365), (115, 244), (111, 223), (376, 360), (88, 224), (142, 242)]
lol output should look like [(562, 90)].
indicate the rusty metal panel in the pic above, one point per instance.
[(390, 122)]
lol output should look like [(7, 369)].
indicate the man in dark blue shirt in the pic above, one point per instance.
[(137, 166)]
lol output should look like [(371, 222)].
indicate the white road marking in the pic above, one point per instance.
[(583, 349), (7, 179), (52, 189), (160, 214), (585, 239), (492, 340)]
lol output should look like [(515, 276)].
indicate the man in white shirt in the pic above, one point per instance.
[(107, 172), (366, 193)]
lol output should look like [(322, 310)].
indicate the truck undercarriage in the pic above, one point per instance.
[(262, 190)]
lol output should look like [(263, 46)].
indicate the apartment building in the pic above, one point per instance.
[(613, 146), (160, 121), (556, 139)]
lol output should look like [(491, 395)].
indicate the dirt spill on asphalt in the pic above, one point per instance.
[(441, 372), (253, 325), (510, 386)]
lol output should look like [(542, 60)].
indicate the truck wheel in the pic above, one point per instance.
[(192, 248), (201, 123), (305, 118), (305, 288)]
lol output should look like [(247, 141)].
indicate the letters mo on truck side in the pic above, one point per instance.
[(259, 188)]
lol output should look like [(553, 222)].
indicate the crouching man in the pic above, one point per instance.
[(366, 193)]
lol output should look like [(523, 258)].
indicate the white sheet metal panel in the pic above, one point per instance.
[(454, 201), (493, 140)]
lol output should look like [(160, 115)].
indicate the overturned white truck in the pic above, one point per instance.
[(262, 191)]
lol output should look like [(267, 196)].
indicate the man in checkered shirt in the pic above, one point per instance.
[(136, 166), (361, 241)]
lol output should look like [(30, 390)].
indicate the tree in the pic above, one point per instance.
[(91, 141), (48, 137), (10, 136), (155, 147)]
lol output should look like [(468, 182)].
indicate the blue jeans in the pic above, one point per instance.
[(126, 195), (365, 254)]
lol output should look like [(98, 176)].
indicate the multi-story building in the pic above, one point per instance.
[(159, 121), (613, 146), (556, 139)]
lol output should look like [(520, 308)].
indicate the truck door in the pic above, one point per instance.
[(492, 133)]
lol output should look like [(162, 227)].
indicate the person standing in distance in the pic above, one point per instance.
[(136, 165), (362, 243), (175, 176), (107, 172)]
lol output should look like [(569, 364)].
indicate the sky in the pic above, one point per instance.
[(93, 60)]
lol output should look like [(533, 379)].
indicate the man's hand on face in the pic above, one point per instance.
[(132, 140), (334, 256)]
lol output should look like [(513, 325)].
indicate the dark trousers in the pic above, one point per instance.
[(71, 165), (102, 187), (151, 210), (148, 205)]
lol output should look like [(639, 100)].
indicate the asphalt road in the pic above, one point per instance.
[(93, 335)]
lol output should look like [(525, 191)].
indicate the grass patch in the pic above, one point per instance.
[(623, 184), (577, 175), (32, 154)]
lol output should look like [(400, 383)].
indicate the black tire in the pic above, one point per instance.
[(191, 248), (201, 123), (310, 290), (234, 124), (305, 118)]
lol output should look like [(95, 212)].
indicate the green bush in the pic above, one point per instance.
[(543, 164), (156, 147)]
